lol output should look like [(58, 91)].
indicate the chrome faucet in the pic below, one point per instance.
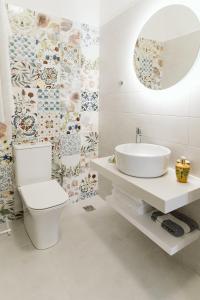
[(138, 135)]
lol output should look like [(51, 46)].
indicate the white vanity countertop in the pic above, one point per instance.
[(163, 193)]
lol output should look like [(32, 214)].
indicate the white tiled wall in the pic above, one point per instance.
[(170, 117)]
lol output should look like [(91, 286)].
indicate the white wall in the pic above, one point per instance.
[(170, 117), (112, 8), (86, 11)]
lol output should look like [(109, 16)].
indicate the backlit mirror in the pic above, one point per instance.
[(167, 47)]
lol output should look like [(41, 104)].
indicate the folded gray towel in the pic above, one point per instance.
[(175, 223)]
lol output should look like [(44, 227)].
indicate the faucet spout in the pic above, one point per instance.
[(138, 135)]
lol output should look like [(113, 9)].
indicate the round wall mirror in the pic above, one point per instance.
[(167, 47)]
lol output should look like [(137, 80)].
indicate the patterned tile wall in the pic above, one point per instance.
[(149, 63), (55, 79)]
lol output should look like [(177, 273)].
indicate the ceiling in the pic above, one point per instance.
[(111, 8)]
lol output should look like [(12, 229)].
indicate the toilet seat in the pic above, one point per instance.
[(43, 195)]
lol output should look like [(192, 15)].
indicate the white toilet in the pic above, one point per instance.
[(43, 199)]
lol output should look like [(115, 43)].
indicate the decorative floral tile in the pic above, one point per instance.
[(89, 142), (47, 27), (24, 74), (49, 78), (89, 186), (70, 55), (48, 126), (56, 155), (90, 80), (70, 63), (22, 47), (25, 117), (22, 21), (71, 123), (6, 175), (89, 121), (49, 105), (85, 160), (89, 64), (89, 101), (71, 186), (25, 100), (71, 166), (70, 144), (70, 100), (44, 94), (5, 153), (48, 52), (25, 128), (69, 75), (66, 25), (90, 36), (7, 205)]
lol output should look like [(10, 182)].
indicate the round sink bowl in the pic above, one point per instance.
[(142, 160)]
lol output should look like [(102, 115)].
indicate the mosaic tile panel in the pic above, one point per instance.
[(55, 79)]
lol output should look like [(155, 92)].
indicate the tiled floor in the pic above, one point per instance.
[(100, 257)]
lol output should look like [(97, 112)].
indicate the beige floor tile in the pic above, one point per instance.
[(100, 256)]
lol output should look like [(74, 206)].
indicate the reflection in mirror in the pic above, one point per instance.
[(167, 47)]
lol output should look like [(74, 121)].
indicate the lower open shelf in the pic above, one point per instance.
[(157, 234)]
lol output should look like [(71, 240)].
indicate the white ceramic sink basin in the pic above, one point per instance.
[(142, 160)]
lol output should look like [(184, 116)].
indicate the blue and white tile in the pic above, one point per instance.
[(89, 101)]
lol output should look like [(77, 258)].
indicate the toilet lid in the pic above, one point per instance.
[(43, 195)]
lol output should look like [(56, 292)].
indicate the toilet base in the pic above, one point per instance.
[(42, 226)]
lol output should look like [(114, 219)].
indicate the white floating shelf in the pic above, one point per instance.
[(152, 230), (163, 193)]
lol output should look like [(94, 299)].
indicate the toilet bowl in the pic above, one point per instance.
[(43, 199), (43, 204)]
